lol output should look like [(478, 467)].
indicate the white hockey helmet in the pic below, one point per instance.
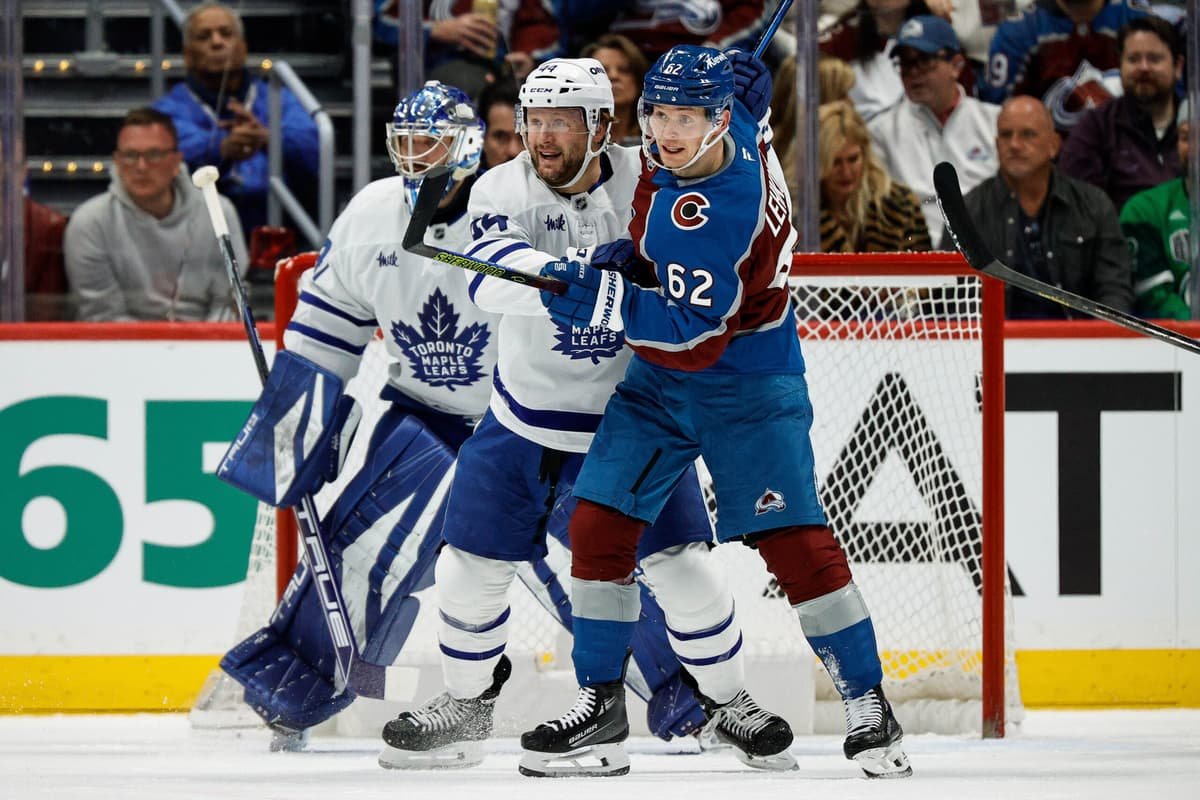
[(569, 83)]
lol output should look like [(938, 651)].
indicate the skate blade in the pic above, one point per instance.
[(885, 762), (454, 756), (779, 762), (288, 741), (594, 761)]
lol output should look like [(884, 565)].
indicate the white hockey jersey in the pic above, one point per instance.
[(552, 382), (441, 347)]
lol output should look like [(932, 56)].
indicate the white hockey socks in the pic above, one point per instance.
[(472, 593), (693, 592)]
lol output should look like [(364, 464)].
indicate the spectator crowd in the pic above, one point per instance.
[(1065, 120)]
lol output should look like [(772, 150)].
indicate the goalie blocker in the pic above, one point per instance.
[(296, 436)]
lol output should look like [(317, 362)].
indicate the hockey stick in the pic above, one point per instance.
[(970, 243), (432, 189), (765, 39), (351, 671)]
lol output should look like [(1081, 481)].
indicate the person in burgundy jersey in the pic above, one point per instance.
[(1061, 51), (717, 372)]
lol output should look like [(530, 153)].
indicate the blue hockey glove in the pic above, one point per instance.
[(593, 296), (620, 256), (751, 82)]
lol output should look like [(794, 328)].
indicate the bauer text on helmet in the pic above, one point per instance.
[(687, 97)]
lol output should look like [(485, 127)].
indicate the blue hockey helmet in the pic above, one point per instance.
[(445, 114), (692, 76)]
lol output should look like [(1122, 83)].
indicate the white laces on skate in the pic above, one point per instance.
[(585, 703), (742, 716), (863, 713), (438, 714)]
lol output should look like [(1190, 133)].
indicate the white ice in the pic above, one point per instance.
[(1096, 755)]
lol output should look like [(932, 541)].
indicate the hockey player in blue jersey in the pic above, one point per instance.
[(568, 192), (717, 372)]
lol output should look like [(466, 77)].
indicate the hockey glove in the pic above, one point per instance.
[(593, 296), (620, 256), (297, 435), (751, 82)]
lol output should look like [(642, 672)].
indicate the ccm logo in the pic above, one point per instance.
[(688, 211)]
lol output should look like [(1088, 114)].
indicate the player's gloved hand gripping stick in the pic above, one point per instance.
[(970, 243), (362, 677)]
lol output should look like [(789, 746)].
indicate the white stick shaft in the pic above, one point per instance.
[(212, 202)]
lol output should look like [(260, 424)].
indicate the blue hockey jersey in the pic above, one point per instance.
[(721, 247)]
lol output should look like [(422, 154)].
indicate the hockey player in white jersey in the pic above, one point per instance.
[(566, 194), (384, 528)]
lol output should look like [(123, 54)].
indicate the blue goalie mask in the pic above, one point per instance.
[(689, 76), (434, 126)]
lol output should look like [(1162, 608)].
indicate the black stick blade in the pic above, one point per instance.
[(958, 221), (432, 189)]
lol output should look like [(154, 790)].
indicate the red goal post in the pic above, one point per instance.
[(909, 301)]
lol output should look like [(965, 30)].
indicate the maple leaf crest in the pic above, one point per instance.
[(440, 354), (595, 342)]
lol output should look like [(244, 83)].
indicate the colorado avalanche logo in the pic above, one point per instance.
[(688, 211), (771, 500), (439, 354), (596, 342)]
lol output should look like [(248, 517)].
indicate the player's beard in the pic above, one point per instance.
[(563, 169)]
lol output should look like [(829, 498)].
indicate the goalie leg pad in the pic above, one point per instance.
[(387, 528), (296, 436), (695, 596), (287, 667), (472, 596)]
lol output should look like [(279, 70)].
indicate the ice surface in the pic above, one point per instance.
[(1058, 754)]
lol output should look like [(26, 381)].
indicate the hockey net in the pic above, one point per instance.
[(895, 350)]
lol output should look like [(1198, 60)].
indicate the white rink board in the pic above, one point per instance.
[(1150, 470)]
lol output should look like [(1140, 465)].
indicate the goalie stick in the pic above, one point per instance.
[(362, 677), (433, 187), (970, 243)]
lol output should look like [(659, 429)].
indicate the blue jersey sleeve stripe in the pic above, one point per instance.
[(325, 338), (512, 248), (316, 302), (572, 421), (474, 287)]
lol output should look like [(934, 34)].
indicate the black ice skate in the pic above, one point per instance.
[(445, 732), (873, 736), (587, 740), (759, 738)]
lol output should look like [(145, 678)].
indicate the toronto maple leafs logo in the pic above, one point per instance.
[(595, 342), (441, 355)]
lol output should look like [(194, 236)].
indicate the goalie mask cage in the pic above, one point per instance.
[(905, 371)]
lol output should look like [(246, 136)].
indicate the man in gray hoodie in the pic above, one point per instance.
[(145, 249)]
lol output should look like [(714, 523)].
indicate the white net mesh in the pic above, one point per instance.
[(894, 368)]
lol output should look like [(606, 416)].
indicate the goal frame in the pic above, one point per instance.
[(858, 265)]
